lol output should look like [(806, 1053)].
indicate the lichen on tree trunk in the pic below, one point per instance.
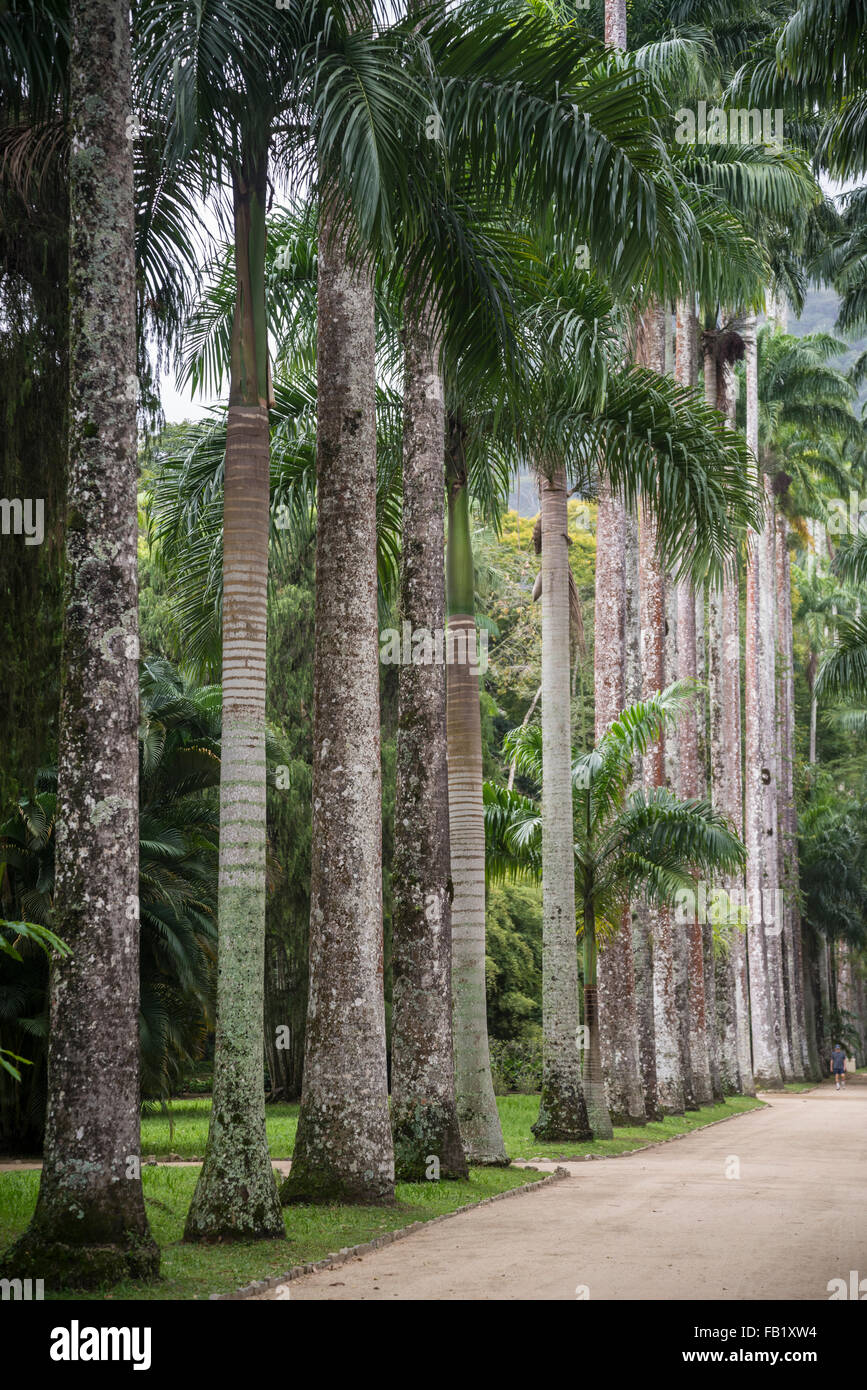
[(690, 780), (90, 1226), (760, 780), (424, 1115), (562, 1110), (343, 1149), (650, 352)]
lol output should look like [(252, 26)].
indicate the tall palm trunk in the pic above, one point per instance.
[(618, 1020), (479, 1118), (787, 813), (617, 1006), (691, 777), (778, 939), (726, 776), (562, 1110), (672, 776), (89, 1226), (760, 789), (424, 1115), (343, 1149), (638, 921), (650, 352), (236, 1194)]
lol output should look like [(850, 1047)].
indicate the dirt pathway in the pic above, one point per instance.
[(771, 1205)]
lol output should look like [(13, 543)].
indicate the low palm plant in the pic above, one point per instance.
[(626, 842), (179, 765)]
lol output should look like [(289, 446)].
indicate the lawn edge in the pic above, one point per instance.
[(653, 1143), (348, 1252)]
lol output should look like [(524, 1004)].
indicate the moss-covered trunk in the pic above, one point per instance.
[(424, 1113), (702, 1043), (562, 1109), (90, 1225), (649, 352), (236, 1194), (760, 778), (343, 1149)]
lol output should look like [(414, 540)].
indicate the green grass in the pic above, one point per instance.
[(518, 1113), (190, 1272), (800, 1086), (195, 1271), (188, 1133)]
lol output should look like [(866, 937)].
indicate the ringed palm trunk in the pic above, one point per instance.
[(236, 1194), (617, 1012), (672, 763), (619, 1026), (424, 1115), (760, 791), (650, 348), (89, 1226), (640, 925), (562, 1110), (787, 812), (729, 777), (343, 1149), (479, 1118), (778, 939), (701, 1029)]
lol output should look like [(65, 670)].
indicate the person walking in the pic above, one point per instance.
[(838, 1067)]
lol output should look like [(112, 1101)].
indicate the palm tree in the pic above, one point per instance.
[(624, 841), (424, 1113), (90, 1219), (291, 86), (760, 791), (690, 783), (563, 1111), (721, 348), (799, 398)]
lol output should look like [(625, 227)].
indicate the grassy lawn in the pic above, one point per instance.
[(190, 1271), (518, 1113), (187, 1134), (313, 1232)]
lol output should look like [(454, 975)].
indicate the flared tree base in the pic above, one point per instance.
[(427, 1144), (481, 1133), (232, 1203), (310, 1186), (597, 1110), (562, 1115), (65, 1265), (623, 1120), (768, 1083)]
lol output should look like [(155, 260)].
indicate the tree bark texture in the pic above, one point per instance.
[(89, 1226)]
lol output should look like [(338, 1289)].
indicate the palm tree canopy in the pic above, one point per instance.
[(625, 841)]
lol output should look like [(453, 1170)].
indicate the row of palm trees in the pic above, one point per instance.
[(471, 245)]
